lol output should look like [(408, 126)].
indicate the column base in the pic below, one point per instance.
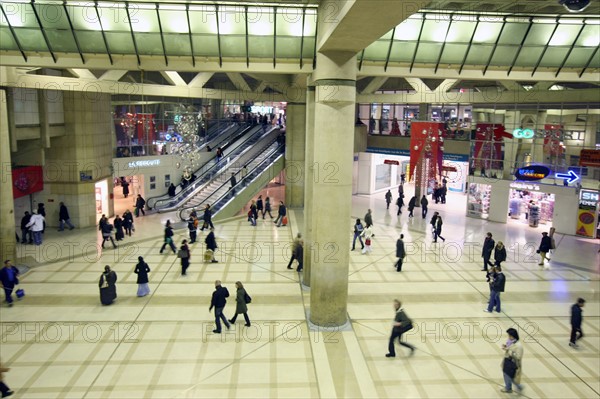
[(347, 326)]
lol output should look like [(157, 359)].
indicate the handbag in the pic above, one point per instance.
[(509, 367), (368, 241), (20, 293), (247, 298), (182, 253)]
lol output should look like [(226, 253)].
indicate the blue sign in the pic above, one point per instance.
[(532, 172), (571, 176)]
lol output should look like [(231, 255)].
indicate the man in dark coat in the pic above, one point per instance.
[(171, 190), (281, 214), (233, 183), (211, 243), (576, 319), (497, 287), (486, 251), (545, 247), (125, 187), (25, 232), (218, 302), (424, 204), (411, 206), (400, 253), (402, 324), (63, 216), (139, 206), (8, 278), (207, 218), (388, 199)]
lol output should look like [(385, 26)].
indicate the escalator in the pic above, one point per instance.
[(244, 152), (226, 202), (226, 139)]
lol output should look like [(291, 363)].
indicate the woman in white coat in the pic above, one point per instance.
[(367, 234), (512, 364)]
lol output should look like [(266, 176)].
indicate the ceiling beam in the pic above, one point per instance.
[(486, 96), (374, 84), (113, 74), (81, 73), (511, 85), (10, 77), (173, 78), (200, 79), (239, 82)]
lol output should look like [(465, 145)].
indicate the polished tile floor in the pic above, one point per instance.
[(61, 343)]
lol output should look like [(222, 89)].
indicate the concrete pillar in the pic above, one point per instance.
[(424, 112), (537, 145), (7, 217), (308, 183), (335, 96), (295, 138)]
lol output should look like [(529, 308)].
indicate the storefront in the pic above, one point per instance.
[(380, 169), (588, 216), (527, 204)]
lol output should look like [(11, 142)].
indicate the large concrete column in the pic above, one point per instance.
[(335, 95), (308, 182), (295, 138), (7, 217)]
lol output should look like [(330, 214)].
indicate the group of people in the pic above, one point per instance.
[(121, 226), (219, 300), (33, 225)]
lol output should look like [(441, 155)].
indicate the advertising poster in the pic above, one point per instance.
[(586, 215)]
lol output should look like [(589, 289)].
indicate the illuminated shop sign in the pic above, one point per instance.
[(144, 164), (542, 134), (532, 172), (589, 198), (525, 186)]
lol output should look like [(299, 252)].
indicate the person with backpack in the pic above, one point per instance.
[(168, 238), (358, 229), (242, 299), (402, 324)]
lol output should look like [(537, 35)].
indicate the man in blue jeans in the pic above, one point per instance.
[(496, 287), (218, 302), (8, 277)]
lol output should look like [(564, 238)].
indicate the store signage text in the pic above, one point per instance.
[(542, 134), (391, 162), (525, 186), (137, 164), (589, 198), (532, 172)]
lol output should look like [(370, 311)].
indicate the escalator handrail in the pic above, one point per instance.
[(234, 137), (202, 180), (268, 159)]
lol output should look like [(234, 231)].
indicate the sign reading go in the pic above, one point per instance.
[(523, 133)]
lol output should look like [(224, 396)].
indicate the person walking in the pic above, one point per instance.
[(9, 279), (168, 239), (368, 235), (388, 199), (300, 255), (358, 229), (402, 324), (108, 286), (499, 253), (432, 223), (185, 255), (207, 218), (400, 204), (171, 190), (424, 204), (142, 269), (497, 287), (233, 183), (42, 211), (260, 207), (241, 303), (295, 244), (36, 223), (401, 189), (437, 228), (267, 208), (218, 302), (4, 389), (118, 223), (253, 213), (400, 253), (128, 222), (125, 186), (107, 229), (139, 206), (486, 251), (544, 248), (63, 216), (211, 244), (244, 174), (26, 234), (512, 362), (282, 212), (411, 206), (368, 218), (191, 225), (576, 319)]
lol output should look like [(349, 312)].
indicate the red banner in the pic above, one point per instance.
[(27, 180), (419, 132), (488, 145)]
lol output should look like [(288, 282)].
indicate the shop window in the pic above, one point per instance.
[(478, 201), (383, 176)]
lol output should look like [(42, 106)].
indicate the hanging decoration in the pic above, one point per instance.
[(187, 124), (426, 153), (487, 151)]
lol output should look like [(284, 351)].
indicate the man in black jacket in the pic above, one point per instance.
[(576, 319), (207, 218), (496, 287), (486, 252), (400, 253), (281, 214), (25, 232), (424, 204), (218, 302), (402, 324), (63, 216)]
